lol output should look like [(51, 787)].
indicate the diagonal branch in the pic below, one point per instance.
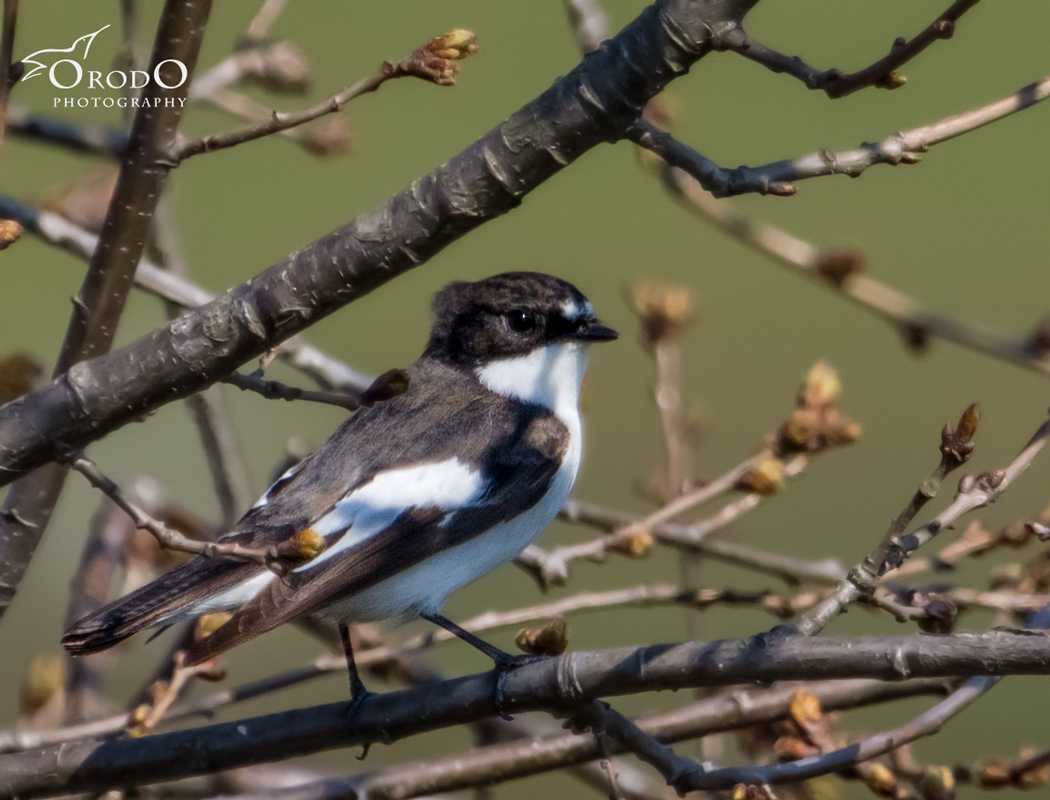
[(434, 61), (974, 492), (777, 178), (559, 685), (594, 103), (882, 74), (841, 271)]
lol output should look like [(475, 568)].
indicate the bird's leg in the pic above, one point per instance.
[(358, 692), (504, 662)]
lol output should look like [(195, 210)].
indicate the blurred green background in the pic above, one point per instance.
[(964, 232)]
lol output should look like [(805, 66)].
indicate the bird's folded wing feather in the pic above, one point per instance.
[(360, 555)]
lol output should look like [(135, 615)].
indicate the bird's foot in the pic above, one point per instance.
[(503, 665), (358, 697)]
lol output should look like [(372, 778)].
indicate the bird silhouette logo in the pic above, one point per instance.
[(40, 66)]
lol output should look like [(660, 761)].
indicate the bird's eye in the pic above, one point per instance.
[(521, 321)]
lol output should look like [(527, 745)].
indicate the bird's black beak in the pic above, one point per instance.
[(590, 330)]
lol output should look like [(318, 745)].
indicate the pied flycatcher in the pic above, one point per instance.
[(413, 497)]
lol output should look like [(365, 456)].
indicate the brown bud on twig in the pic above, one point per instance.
[(937, 783), (10, 232), (550, 640), (18, 373), (764, 480), (892, 80), (991, 774), (664, 310), (1038, 344), (838, 265), (957, 445), (299, 547), (916, 336), (280, 67), (330, 137), (435, 61), (634, 541), (817, 422), (880, 780), (46, 677), (939, 616)]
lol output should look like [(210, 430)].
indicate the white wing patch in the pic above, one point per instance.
[(372, 508)]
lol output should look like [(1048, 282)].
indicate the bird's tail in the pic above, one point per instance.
[(168, 599)]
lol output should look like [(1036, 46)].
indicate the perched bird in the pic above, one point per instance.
[(409, 499)]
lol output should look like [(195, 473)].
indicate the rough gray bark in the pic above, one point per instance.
[(558, 685)]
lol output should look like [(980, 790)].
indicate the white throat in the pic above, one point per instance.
[(548, 376)]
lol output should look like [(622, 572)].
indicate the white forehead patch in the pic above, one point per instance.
[(573, 311)]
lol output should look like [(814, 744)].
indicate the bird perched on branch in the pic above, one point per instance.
[(409, 499)]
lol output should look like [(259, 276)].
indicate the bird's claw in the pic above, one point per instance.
[(503, 667)]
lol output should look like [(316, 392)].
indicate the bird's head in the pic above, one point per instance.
[(510, 315)]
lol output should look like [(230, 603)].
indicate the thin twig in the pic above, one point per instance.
[(552, 566), (777, 178), (274, 390), (166, 537), (433, 61), (881, 74), (974, 492), (264, 18)]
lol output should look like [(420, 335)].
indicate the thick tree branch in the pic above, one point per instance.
[(7, 45), (596, 102), (559, 685), (835, 83), (98, 305), (777, 178), (511, 760)]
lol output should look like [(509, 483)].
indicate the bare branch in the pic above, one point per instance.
[(98, 140), (165, 536), (974, 493), (434, 61), (882, 74), (777, 178), (274, 390), (264, 18), (498, 763), (562, 684)]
